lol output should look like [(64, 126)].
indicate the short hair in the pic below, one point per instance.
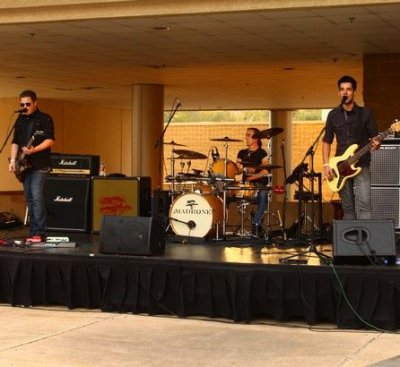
[(256, 132), (347, 79), (29, 93)]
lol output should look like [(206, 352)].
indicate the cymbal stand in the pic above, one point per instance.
[(243, 203), (268, 214), (224, 191)]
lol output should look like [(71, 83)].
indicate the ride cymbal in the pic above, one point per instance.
[(175, 144), (226, 138), (189, 154), (269, 133)]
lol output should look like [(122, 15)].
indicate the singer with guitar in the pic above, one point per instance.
[(351, 124), (30, 159)]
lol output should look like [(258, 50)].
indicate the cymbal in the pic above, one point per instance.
[(173, 143), (269, 166), (189, 154), (269, 133), (226, 138)]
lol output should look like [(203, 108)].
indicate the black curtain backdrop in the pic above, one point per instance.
[(233, 291)]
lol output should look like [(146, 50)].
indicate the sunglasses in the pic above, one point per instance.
[(25, 104)]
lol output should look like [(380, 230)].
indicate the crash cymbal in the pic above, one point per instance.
[(226, 138), (269, 133), (189, 154), (175, 144), (268, 167)]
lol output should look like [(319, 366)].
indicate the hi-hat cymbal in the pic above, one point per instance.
[(173, 143), (269, 133), (268, 167), (189, 154), (226, 138)]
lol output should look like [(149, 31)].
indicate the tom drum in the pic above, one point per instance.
[(218, 168)]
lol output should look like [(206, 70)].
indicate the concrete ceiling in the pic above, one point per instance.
[(268, 59)]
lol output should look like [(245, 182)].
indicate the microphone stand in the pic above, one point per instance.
[(8, 137), (312, 247), (159, 144)]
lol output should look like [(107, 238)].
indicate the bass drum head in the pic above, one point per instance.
[(203, 211)]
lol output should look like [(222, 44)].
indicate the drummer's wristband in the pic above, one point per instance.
[(326, 165)]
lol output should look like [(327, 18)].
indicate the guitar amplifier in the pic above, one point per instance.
[(81, 165)]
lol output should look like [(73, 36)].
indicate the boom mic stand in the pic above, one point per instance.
[(312, 246), (159, 144)]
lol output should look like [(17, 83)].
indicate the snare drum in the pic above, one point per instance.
[(203, 212), (218, 168), (242, 191)]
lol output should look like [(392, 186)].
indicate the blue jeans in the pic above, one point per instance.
[(34, 196), (262, 196), (357, 192)]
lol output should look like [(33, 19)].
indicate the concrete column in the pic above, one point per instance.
[(147, 125)]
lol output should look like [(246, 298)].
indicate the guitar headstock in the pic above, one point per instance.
[(395, 126)]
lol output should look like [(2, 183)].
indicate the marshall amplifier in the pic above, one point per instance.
[(67, 203), (82, 165)]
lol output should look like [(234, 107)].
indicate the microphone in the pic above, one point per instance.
[(179, 105), (215, 154), (343, 100), (21, 110)]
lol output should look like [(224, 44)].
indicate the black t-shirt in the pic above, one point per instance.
[(350, 127), (38, 123), (252, 158)]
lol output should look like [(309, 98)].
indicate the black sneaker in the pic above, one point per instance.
[(257, 231)]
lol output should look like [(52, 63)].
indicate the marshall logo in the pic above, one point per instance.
[(61, 199), (65, 162), (190, 204)]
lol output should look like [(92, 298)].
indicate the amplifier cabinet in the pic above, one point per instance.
[(120, 196), (386, 204), (74, 164), (385, 166), (67, 203)]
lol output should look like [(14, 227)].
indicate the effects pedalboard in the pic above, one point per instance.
[(54, 242)]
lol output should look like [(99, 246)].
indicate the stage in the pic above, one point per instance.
[(237, 279)]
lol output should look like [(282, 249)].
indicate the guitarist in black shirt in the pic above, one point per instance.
[(350, 124), (30, 159)]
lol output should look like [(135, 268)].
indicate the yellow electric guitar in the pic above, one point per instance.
[(343, 166)]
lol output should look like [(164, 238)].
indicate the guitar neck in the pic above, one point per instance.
[(30, 142), (366, 148)]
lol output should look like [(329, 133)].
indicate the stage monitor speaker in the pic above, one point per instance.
[(364, 238), (123, 196), (132, 236), (67, 203)]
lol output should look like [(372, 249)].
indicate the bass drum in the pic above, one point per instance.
[(203, 213)]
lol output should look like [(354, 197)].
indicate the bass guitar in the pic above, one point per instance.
[(343, 166), (22, 165)]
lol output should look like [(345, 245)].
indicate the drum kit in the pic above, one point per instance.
[(200, 208)]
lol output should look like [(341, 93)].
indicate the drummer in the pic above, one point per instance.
[(247, 162)]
